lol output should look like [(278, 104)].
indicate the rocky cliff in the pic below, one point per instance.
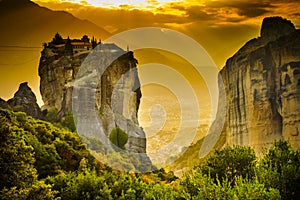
[(4, 104), (24, 100), (262, 87), (109, 97)]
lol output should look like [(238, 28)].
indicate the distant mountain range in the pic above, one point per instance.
[(26, 23)]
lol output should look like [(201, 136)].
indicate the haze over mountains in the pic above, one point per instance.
[(24, 22), (24, 27)]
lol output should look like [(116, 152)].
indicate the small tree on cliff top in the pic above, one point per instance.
[(94, 42), (68, 47), (58, 39)]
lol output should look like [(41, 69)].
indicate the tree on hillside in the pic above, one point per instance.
[(68, 121), (94, 42), (85, 38), (68, 47), (119, 138), (229, 163), (58, 39), (15, 156), (18, 177), (280, 169)]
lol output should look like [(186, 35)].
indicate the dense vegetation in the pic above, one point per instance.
[(41, 161)]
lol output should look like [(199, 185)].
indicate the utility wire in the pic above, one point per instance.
[(17, 46), (22, 63), (29, 48)]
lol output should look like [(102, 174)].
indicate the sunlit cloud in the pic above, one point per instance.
[(210, 22), (217, 11), (113, 4), (133, 3)]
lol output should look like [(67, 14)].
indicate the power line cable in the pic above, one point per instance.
[(22, 63), (18, 46)]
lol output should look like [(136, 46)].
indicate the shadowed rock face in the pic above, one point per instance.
[(275, 27), (24, 100), (4, 104), (262, 87)]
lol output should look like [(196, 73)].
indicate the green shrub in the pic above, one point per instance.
[(52, 115), (18, 175), (68, 121), (280, 169), (118, 137), (82, 185), (229, 163), (199, 186)]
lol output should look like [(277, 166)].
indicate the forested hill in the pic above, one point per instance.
[(40, 160)]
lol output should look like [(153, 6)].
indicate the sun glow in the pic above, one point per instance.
[(131, 3), (117, 3), (138, 4)]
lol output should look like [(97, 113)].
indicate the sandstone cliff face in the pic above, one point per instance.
[(109, 98), (57, 73), (24, 100), (262, 87)]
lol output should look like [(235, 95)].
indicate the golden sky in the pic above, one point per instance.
[(214, 12), (220, 26)]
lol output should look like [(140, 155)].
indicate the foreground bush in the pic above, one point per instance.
[(199, 186), (280, 169), (229, 163)]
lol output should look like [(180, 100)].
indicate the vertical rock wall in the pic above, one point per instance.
[(113, 98), (262, 84)]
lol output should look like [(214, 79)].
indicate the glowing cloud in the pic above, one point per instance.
[(134, 3), (139, 4)]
